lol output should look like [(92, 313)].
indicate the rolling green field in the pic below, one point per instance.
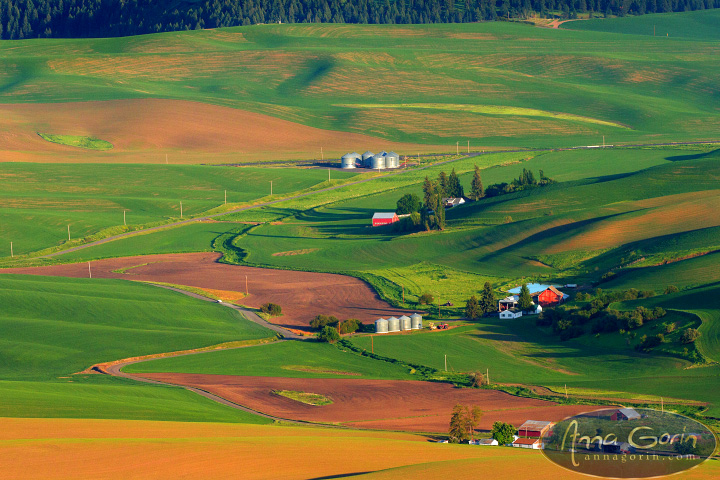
[(287, 359), (39, 201), (510, 84), (697, 25), (55, 327)]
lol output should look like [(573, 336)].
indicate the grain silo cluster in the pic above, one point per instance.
[(373, 161), (393, 324)]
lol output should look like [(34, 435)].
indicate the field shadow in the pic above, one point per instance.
[(313, 70), (697, 156)]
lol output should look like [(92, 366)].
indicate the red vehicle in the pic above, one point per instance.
[(443, 326)]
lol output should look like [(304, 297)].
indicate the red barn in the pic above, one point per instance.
[(384, 218), (549, 297), (534, 428)]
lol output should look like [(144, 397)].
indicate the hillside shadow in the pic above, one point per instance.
[(313, 70), (697, 156)]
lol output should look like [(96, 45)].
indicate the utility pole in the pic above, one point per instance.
[(372, 343), (11, 251), (271, 188), (124, 221), (181, 215), (603, 140), (89, 271), (487, 375), (468, 146), (246, 288), (566, 395), (322, 155), (68, 233), (166, 162), (225, 197), (662, 405), (457, 148), (328, 175), (446, 362)]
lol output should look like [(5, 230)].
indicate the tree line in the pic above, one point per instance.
[(114, 18)]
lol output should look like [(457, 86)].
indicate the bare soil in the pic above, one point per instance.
[(302, 295), (376, 404), (144, 130)]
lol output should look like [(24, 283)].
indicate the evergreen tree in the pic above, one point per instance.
[(455, 189), (443, 183), (525, 300), (476, 187), (472, 308), (488, 302)]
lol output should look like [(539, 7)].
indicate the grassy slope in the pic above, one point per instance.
[(37, 202), (269, 361), (544, 223), (662, 88), (54, 327), (697, 25)]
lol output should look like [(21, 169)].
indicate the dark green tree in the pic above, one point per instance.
[(488, 302), (472, 308), (503, 432), (525, 300), (455, 189), (328, 334), (476, 187), (443, 184), (408, 203)]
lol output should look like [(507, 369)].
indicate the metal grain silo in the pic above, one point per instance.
[(392, 160), (416, 321), (405, 323), (377, 162), (393, 324), (381, 325), (365, 157), (348, 160)]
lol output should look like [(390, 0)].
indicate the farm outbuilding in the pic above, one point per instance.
[(533, 443), (416, 321), (534, 428), (381, 325), (384, 218), (511, 313), (543, 295), (625, 414), (484, 441), (393, 324)]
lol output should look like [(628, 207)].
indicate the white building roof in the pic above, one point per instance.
[(629, 412)]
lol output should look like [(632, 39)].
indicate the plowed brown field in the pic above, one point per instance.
[(144, 130), (302, 295), (377, 404)]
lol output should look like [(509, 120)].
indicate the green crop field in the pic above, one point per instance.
[(39, 201), (77, 141), (698, 25), (287, 359), (509, 83), (56, 327)]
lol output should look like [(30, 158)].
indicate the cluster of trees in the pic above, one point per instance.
[(330, 327), (463, 422), (430, 212), (571, 323), (113, 18), (272, 309), (523, 182), (476, 308)]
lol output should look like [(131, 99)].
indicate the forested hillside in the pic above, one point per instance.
[(113, 18)]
